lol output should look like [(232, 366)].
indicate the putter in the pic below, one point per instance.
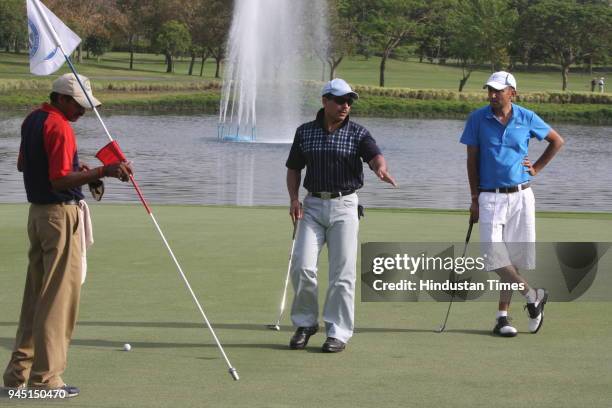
[(284, 297), (467, 239)]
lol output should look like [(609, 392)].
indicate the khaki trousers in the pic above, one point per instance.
[(50, 299)]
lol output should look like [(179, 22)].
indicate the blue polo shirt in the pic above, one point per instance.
[(502, 148)]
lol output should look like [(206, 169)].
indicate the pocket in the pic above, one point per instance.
[(486, 207), (56, 214), (349, 202)]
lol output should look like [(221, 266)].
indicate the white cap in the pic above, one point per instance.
[(67, 84), (500, 80), (339, 87)]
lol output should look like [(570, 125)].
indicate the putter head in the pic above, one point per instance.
[(275, 327), (440, 329), (234, 374)]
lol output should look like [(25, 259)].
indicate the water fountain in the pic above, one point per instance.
[(263, 93)]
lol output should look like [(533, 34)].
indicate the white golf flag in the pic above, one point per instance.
[(45, 55)]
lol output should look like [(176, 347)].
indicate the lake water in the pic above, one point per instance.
[(179, 160)]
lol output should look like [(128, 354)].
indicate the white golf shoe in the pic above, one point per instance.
[(536, 310)]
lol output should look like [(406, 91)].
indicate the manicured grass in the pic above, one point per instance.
[(147, 67), (236, 259), (427, 90), (412, 74), (356, 70)]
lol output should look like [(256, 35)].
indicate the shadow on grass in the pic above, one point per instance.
[(248, 326), (253, 327), (7, 343)]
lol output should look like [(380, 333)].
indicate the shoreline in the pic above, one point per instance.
[(428, 105)]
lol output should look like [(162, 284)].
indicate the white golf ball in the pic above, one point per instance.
[(127, 347)]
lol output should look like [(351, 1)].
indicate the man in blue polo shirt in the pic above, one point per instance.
[(499, 172), (332, 149)]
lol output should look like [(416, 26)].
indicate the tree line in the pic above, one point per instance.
[(173, 28), (500, 34)]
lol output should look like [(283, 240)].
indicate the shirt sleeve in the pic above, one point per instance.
[(60, 147), (470, 132), (368, 149), (538, 129), (296, 159)]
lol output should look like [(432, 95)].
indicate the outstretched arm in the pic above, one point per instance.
[(378, 164)]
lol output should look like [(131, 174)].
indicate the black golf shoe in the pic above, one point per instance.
[(536, 310), (333, 345), (503, 328), (70, 391), (299, 340)]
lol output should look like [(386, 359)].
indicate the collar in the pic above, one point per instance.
[(47, 107), (491, 115), (320, 120)]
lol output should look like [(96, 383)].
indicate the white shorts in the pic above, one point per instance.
[(507, 229)]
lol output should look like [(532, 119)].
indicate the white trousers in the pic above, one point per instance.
[(507, 229), (336, 223)]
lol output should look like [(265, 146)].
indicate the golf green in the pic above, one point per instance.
[(236, 260)]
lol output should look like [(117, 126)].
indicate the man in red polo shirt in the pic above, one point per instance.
[(53, 178)]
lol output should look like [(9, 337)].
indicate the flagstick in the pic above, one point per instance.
[(50, 28)]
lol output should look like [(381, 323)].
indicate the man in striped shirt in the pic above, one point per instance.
[(332, 149)]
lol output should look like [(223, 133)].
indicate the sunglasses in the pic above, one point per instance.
[(341, 100)]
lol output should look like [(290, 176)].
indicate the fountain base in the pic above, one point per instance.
[(229, 133)]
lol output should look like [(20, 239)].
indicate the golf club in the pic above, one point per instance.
[(467, 239), (284, 297)]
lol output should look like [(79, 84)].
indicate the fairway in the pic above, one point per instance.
[(114, 67), (236, 260)]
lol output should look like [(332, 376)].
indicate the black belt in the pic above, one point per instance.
[(328, 196), (506, 190)]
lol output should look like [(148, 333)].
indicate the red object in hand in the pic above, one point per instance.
[(111, 154)]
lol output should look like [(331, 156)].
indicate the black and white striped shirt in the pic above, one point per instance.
[(332, 160)]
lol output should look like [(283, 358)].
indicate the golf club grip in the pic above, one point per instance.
[(294, 229), (469, 233)]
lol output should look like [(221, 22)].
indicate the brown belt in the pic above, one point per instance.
[(506, 190)]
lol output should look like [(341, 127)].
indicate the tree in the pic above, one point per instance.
[(385, 24), (173, 39), (86, 17), (134, 14), (597, 46), (567, 31), (97, 45), (481, 32), (432, 41), (217, 19), (330, 45), (13, 28)]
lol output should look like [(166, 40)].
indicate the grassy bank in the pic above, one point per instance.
[(378, 106), (133, 295), (147, 88)]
